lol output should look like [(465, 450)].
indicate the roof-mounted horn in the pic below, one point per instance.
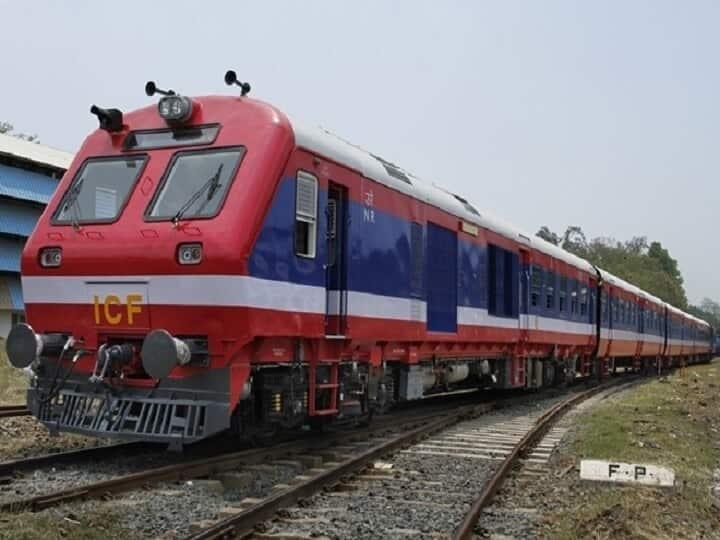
[(231, 78)]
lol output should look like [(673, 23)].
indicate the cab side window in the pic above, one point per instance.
[(306, 195)]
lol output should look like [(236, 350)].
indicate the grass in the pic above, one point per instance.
[(13, 381), (103, 524), (53, 526), (674, 422)]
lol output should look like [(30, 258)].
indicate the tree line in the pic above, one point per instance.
[(8, 129), (646, 264)]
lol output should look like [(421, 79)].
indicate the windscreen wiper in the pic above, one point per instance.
[(72, 203), (211, 186)]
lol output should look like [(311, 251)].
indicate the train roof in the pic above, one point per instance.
[(384, 172)]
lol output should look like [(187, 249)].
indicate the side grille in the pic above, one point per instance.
[(108, 415)]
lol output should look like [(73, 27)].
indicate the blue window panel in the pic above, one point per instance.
[(550, 286), (10, 251), (503, 282), (512, 284), (18, 218), (26, 185), (524, 288), (496, 281), (417, 256), (273, 255), (441, 279), (563, 296), (380, 258), (574, 300), (472, 275), (537, 288)]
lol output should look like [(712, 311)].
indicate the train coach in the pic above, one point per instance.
[(209, 264)]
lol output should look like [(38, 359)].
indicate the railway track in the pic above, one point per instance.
[(343, 464), (428, 482), (8, 468), (181, 471), (8, 411)]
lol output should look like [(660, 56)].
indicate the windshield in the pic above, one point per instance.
[(196, 184), (99, 190)]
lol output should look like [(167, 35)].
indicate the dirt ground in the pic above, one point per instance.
[(25, 436), (671, 421)]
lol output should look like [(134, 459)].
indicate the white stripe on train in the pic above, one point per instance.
[(248, 291)]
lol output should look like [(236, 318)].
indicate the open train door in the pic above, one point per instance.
[(336, 264)]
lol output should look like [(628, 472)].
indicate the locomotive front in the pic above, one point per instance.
[(129, 274)]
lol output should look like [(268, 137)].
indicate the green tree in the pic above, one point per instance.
[(670, 265), (546, 234), (8, 129), (574, 241), (646, 265), (708, 310)]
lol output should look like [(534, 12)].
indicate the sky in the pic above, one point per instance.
[(598, 114)]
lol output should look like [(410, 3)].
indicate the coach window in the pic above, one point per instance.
[(306, 193), (562, 294), (583, 301), (574, 297), (549, 290), (536, 285)]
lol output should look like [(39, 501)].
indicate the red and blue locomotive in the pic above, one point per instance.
[(210, 264)]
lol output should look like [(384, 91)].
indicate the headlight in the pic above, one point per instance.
[(50, 257), (190, 253), (175, 108)]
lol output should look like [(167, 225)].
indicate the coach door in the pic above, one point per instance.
[(335, 265), (524, 293)]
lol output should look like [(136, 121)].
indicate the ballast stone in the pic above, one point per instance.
[(235, 480), (631, 473), (211, 486)]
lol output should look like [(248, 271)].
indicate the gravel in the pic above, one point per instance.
[(406, 503), (519, 507), (23, 437), (50, 479), (420, 497)]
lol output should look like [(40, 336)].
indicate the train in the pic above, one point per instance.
[(212, 265)]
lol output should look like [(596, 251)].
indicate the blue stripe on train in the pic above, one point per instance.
[(380, 262), (379, 252)]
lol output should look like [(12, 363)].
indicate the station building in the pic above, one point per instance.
[(29, 174)]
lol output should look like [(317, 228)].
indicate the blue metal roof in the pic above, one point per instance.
[(10, 251), (18, 218), (11, 293), (26, 185), (16, 296)]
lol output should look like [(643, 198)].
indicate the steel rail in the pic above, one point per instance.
[(8, 411), (243, 524), (197, 468), (7, 468), (465, 530)]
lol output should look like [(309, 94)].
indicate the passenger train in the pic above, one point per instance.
[(211, 264)]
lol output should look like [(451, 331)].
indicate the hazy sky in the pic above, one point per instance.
[(600, 114)]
